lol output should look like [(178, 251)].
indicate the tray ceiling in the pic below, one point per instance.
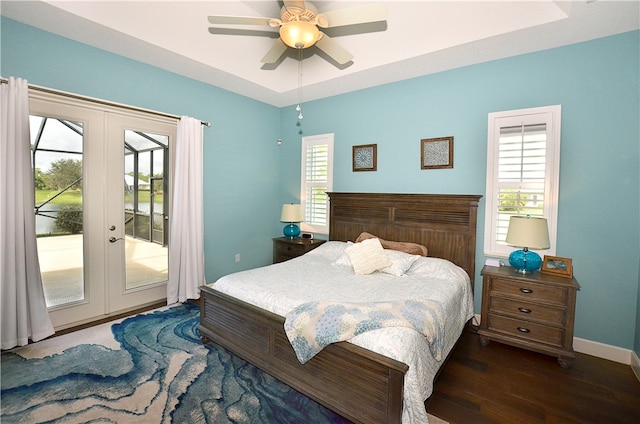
[(418, 38)]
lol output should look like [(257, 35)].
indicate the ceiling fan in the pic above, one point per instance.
[(299, 25)]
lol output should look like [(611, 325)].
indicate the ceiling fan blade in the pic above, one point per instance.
[(334, 50), (275, 52), (239, 20), (353, 15), (243, 32)]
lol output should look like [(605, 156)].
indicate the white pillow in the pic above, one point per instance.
[(330, 250), (400, 262), (367, 256), (343, 259)]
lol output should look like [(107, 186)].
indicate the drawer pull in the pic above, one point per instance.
[(527, 291), (525, 310), (523, 330)]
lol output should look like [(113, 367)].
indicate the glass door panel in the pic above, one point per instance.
[(146, 253), (57, 159)]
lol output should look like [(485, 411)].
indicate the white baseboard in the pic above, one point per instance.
[(600, 350), (635, 364)]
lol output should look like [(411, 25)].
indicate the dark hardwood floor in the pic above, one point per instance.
[(503, 384)]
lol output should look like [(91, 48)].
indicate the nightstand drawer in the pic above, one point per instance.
[(286, 248), (527, 330), (528, 311), (531, 292), (290, 250)]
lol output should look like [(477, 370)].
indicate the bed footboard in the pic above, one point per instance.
[(362, 386)]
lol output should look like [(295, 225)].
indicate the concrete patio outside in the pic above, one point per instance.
[(61, 266)]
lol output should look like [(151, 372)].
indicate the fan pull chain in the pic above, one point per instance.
[(299, 106)]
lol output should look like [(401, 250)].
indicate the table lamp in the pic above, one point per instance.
[(293, 214), (528, 233)]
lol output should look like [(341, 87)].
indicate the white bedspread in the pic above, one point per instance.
[(279, 288)]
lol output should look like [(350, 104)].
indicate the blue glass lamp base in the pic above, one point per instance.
[(291, 230), (525, 261)]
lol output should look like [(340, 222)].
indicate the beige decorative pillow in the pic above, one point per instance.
[(406, 247), (367, 256)]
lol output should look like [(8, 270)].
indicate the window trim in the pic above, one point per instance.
[(550, 115), (308, 141)]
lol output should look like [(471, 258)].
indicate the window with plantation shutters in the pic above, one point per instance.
[(316, 182), (523, 162)]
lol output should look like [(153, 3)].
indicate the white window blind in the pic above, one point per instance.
[(522, 172), (316, 181)]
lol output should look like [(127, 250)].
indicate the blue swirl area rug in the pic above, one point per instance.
[(150, 368)]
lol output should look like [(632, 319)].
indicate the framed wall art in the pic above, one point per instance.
[(436, 153), (557, 266), (365, 157)]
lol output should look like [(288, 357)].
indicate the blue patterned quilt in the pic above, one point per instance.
[(312, 326)]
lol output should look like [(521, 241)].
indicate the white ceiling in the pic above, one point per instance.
[(419, 38)]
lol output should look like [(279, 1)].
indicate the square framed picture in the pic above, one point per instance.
[(557, 266), (436, 153), (365, 157)]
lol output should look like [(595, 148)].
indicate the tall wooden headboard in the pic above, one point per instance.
[(444, 223)]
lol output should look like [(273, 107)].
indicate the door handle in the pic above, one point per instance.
[(113, 239)]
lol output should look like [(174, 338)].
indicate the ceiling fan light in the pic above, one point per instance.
[(299, 34)]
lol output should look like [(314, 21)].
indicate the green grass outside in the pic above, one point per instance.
[(69, 197), (74, 197), (144, 196)]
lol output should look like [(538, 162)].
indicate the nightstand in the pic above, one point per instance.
[(285, 248), (533, 311)]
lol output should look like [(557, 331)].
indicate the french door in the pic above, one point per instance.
[(137, 212), (102, 201)]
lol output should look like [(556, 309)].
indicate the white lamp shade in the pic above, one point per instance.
[(532, 233), (292, 213)]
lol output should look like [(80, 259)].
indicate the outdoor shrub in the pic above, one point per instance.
[(69, 219)]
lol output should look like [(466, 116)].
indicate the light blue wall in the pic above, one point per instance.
[(597, 85), (241, 156), (248, 177)]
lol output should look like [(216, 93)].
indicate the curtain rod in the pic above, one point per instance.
[(100, 101)]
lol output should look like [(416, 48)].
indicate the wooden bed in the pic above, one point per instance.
[(362, 386)]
